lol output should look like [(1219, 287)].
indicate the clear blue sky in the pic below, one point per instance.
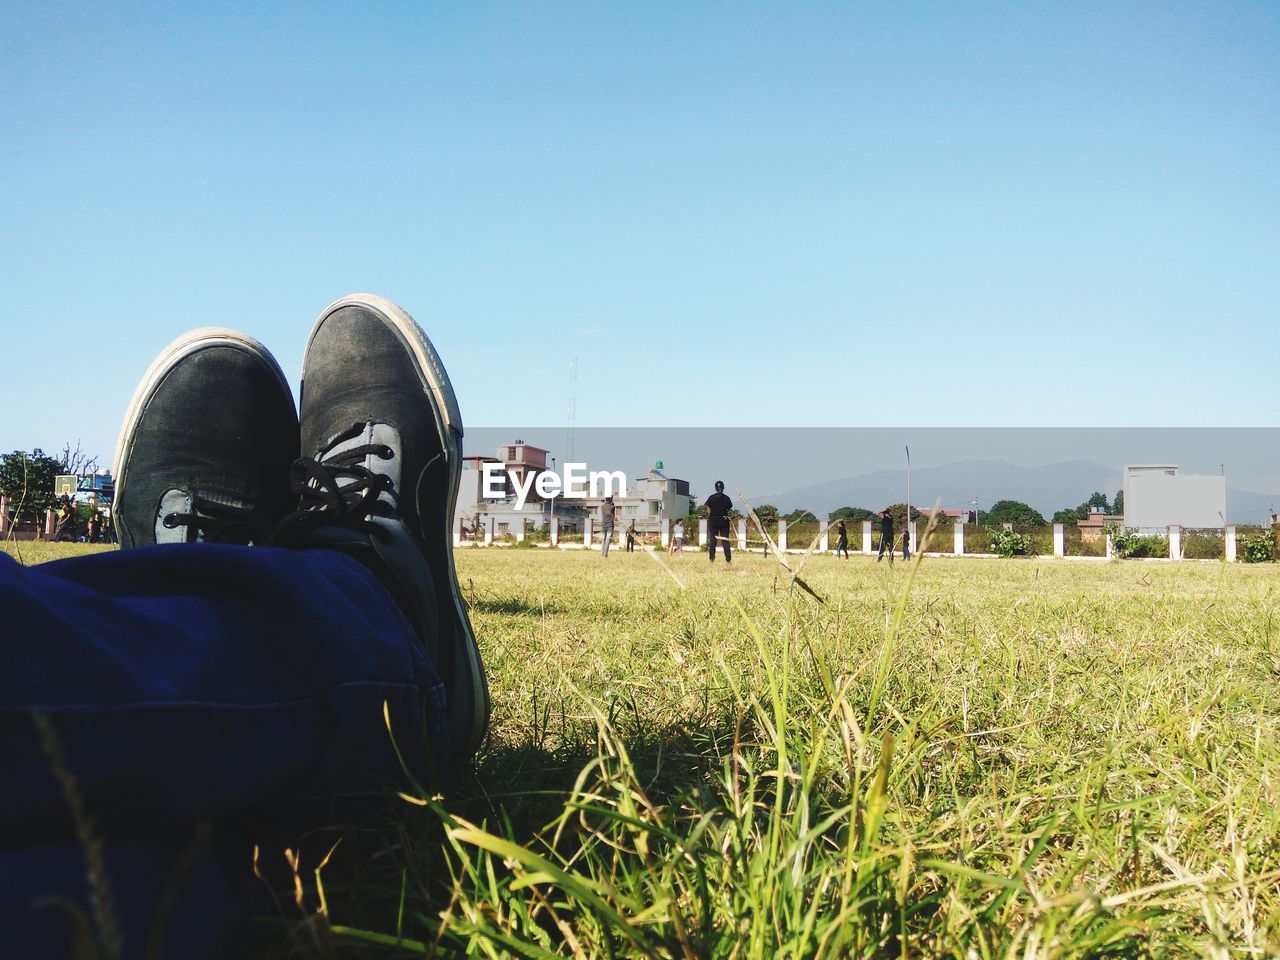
[(731, 214)]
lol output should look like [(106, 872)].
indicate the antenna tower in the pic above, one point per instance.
[(573, 410)]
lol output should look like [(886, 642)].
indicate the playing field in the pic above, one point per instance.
[(1084, 756), (1029, 758)]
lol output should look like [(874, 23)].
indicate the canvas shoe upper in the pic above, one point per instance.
[(206, 443), (381, 441)]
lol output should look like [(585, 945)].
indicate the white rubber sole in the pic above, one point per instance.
[(189, 343), (449, 425)]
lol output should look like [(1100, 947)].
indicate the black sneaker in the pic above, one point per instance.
[(206, 443), (378, 477)]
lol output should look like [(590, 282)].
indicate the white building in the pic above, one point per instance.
[(517, 459), (649, 500), (1157, 496)]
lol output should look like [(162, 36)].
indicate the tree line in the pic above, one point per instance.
[(27, 477), (1002, 511)]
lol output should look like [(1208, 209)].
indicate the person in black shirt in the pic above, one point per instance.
[(718, 507), (608, 513), (842, 539), (886, 536), (66, 530)]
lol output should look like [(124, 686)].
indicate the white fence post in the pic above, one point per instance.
[(489, 525), (1175, 542), (519, 529), (50, 522), (911, 532), (824, 537), (4, 516), (1111, 547), (664, 531), (742, 533), (1231, 544), (958, 538), (1059, 540), (782, 536), (555, 531), (588, 532), (702, 532), (457, 530), (866, 536)]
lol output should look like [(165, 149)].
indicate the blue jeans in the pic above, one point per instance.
[(239, 688)]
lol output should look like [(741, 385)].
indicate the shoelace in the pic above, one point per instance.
[(337, 491), (214, 522)]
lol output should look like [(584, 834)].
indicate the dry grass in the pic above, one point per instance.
[(1037, 758), (42, 551)]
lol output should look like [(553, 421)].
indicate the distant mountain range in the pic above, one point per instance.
[(1048, 488)]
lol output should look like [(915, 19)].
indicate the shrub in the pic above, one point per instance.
[(1130, 544), (1203, 544), (1039, 539), (977, 539), (1257, 547), (801, 534), (1009, 543)]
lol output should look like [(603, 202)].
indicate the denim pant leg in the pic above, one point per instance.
[(163, 687)]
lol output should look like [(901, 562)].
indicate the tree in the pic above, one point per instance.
[(27, 478), (1098, 501), (801, 516), (77, 461), (1070, 516), (1118, 506), (851, 514), (1013, 511), (767, 513)]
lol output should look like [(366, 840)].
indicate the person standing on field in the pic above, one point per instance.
[(677, 538), (66, 529), (906, 543), (631, 537), (842, 539), (886, 536), (718, 506), (608, 513)]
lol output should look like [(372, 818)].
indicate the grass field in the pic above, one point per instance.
[(970, 758)]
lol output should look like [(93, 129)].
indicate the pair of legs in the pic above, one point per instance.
[(220, 681), (842, 546), (605, 539), (886, 547), (719, 534)]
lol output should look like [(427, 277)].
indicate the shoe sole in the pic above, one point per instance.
[(185, 346), (449, 425)]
